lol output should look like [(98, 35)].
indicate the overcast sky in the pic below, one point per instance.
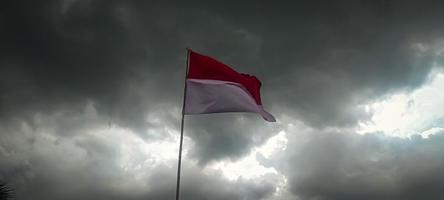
[(91, 93)]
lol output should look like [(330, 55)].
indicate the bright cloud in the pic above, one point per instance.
[(249, 167), (412, 113)]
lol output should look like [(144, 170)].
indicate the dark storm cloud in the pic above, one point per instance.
[(323, 58), (122, 58), (317, 60), (68, 67), (331, 166), (54, 58)]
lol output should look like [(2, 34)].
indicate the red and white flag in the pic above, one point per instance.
[(213, 87)]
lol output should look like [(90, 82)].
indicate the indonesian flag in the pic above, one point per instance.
[(213, 87)]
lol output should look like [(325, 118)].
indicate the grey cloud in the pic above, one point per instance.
[(321, 59), (336, 165), (197, 185), (44, 165), (53, 60), (317, 61), (226, 136), (125, 59)]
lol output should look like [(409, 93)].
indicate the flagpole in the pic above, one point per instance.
[(181, 127)]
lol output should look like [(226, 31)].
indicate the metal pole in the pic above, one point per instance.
[(181, 127)]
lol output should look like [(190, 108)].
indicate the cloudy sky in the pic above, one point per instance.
[(91, 93)]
